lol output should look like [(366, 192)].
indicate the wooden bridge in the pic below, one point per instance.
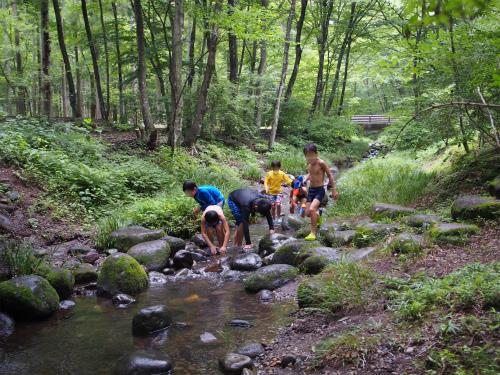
[(372, 122)]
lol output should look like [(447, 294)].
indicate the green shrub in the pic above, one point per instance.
[(19, 257)]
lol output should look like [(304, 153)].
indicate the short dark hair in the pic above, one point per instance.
[(275, 164), (211, 217), (263, 206), (310, 147), (189, 186)]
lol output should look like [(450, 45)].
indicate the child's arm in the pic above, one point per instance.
[(331, 178), (205, 236), (227, 232), (287, 179), (266, 183)]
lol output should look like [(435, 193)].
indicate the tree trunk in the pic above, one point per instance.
[(233, 48), (106, 57), (46, 87), (298, 50), (67, 65), (344, 82), (142, 76), (175, 75), (192, 41), (21, 89), (284, 68), (336, 77), (322, 41), (201, 102), (97, 76), (78, 85), (260, 72), (123, 115)]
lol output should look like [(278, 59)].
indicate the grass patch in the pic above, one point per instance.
[(397, 179), (18, 257)]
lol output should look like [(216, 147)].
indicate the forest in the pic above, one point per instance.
[(110, 108)]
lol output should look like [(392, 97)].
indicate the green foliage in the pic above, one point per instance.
[(473, 286), (19, 257), (397, 179)]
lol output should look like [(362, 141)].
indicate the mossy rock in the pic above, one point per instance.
[(270, 277), (336, 238), (453, 233), (62, 281), (85, 273), (303, 231), (175, 243), (392, 211), (296, 221), (28, 297), (124, 238), (120, 273), (289, 252), (494, 187), (314, 264), (474, 207), (372, 233), (407, 244), (270, 242), (152, 254), (313, 259), (421, 220)]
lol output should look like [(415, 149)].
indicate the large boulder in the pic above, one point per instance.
[(270, 277), (144, 362), (336, 238), (62, 281), (355, 255), (85, 273), (175, 243), (152, 254), (183, 259), (407, 244), (390, 210), (421, 220), (120, 273), (313, 260), (246, 262), (475, 206), (494, 187), (125, 238), (453, 233), (289, 252), (6, 326), (234, 363), (150, 319), (270, 242), (28, 297)]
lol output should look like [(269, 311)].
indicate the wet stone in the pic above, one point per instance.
[(266, 296), (144, 363), (150, 320), (234, 363), (122, 300), (183, 259), (207, 338), (239, 323), (246, 262), (157, 278), (66, 305), (251, 350)]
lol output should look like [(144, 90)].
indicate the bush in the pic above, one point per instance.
[(18, 257)]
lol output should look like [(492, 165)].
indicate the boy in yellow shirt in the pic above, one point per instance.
[(272, 183)]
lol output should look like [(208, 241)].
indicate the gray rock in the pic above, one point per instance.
[(232, 275), (288, 360), (271, 242), (239, 323), (183, 259), (62, 280), (358, 254), (175, 243), (13, 196), (452, 233), (313, 260), (168, 271), (288, 253), (207, 338), (422, 221), (125, 238), (199, 241), (150, 320), (66, 304), (266, 261), (91, 257), (28, 297), (122, 300), (474, 207), (337, 238), (270, 277), (266, 296), (234, 363), (144, 363), (6, 326), (111, 251), (152, 254), (251, 350), (296, 221), (391, 210), (246, 262), (85, 273), (78, 248), (6, 225), (157, 278)]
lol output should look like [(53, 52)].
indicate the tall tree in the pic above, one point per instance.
[(46, 88), (298, 50), (284, 68), (175, 74), (95, 65), (21, 88), (201, 102), (260, 72), (121, 99), (106, 57), (78, 84), (142, 76), (67, 64), (233, 48)]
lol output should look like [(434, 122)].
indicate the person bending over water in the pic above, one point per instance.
[(206, 195), (243, 203), (214, 224), (316, 169)]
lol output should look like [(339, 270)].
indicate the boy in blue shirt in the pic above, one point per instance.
[(206, 195)]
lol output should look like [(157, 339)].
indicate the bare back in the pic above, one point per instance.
[(215, 208)]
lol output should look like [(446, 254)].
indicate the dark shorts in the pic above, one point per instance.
[(316, 193), (235, 210)]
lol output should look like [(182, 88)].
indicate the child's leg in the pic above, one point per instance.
[(211, 233), (220, 233), (313, 213), (302, 207), (273, 211), (238, 235), (293, 204)]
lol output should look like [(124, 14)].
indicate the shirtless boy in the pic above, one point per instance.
[(317, 169)]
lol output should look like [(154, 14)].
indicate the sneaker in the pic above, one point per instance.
[(310, 237)]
